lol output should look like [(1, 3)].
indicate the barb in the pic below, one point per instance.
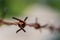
[(25, 18), (20, 30), (17, 19)]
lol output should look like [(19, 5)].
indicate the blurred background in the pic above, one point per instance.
[(47, 11)]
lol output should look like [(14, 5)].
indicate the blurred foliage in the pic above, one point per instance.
[(16, 7), (54, 3)]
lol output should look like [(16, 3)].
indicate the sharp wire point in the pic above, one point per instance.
[(25, 18)]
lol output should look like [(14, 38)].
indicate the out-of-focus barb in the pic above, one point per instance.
[(36, 25), (58, 29), (51, 28)]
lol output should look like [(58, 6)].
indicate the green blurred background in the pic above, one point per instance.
[(16, 7)]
